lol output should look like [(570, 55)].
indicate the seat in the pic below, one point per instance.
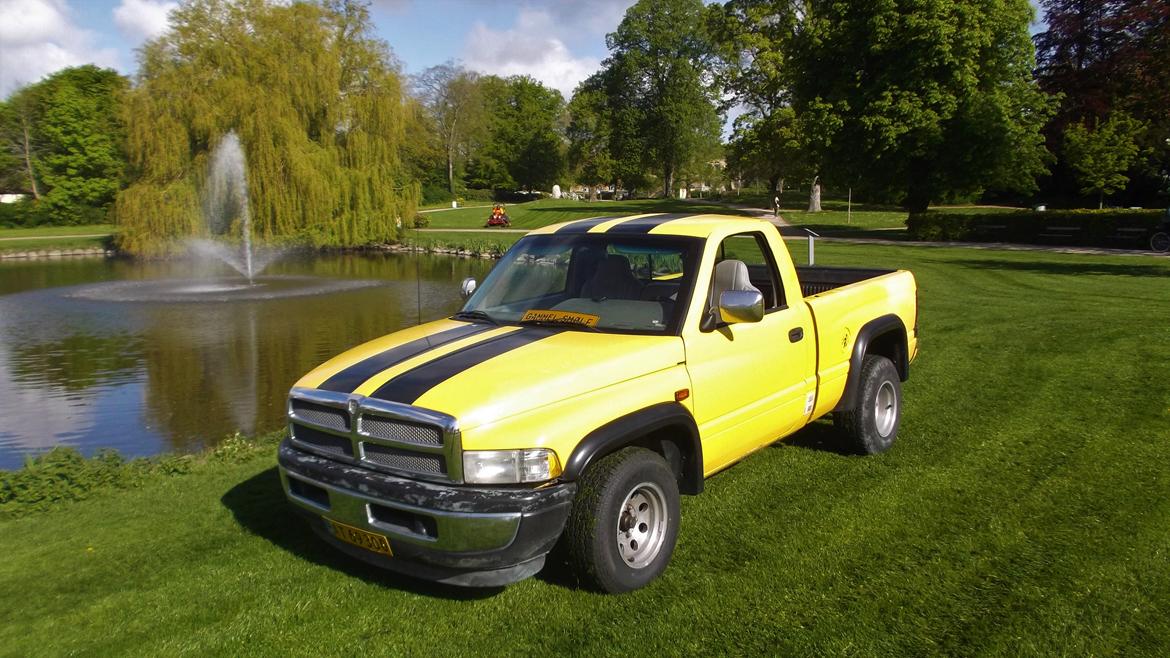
[(729, 275), (612, 280)]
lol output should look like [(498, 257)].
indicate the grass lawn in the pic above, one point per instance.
[(1023, 511), (55, 237), (872, 220), (535, 214)]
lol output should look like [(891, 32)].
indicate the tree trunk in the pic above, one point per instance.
[(668, 181), (32, 179), (814, 196), (781, 190), (451, 172), (1101, 200), (773, 181)]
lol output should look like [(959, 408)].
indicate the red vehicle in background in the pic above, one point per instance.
[(498, 217)]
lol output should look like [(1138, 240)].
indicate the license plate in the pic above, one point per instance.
[(361, 538)]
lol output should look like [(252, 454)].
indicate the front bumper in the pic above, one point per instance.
[(460, 535)]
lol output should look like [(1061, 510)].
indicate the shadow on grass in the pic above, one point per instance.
[(1087, 267), (258, 504), (822, 436)]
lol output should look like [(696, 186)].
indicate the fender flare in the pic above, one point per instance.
[(870, 332), (629, 429)]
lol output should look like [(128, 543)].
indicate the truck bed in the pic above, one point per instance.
[(816, 279)]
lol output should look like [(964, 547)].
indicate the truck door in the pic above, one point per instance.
[(752, 383)]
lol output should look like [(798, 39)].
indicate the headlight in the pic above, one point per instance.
[(510, 466)]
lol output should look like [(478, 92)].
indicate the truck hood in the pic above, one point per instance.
[(481, 374)]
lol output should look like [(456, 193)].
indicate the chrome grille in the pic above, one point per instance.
[(396, 430), (402, 460), (319, 414), (379, 434), (337, 445)]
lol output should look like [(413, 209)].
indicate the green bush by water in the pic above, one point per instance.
[(64, 475)]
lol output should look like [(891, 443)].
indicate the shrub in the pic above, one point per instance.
[(421, 220), (433, 193), (478, 195), (1096, 228), (63, 474)]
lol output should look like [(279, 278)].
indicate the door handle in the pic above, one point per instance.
[(795, 335)]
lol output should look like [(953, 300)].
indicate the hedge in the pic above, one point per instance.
[(1090, 228)]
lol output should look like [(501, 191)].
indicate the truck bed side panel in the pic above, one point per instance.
[(841, 312)]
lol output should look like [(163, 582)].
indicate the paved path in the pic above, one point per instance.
[(423, 212), (54, 237)]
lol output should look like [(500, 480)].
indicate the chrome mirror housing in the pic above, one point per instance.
[(467, 288), (741, 306)]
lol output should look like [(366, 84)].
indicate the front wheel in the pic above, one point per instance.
[(1160, 242), (872, 424), (623, 526)]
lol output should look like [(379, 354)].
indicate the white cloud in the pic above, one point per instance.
[(143, 19), (38, 37), (587, 19), (529, 47)]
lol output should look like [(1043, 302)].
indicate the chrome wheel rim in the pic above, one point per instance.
[(885, 409), (641, 525)]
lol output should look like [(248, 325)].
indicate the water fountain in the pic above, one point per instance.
[(226, 205), (226, 211)]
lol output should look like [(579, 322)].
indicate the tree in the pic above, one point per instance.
[(1101, 56), (424, 155), (522, 144), (1101, 156), (453, 98), (589, 134), (920, 100), (64, 138), (660, 58), (768, 147), (318, 106), (22, 145)]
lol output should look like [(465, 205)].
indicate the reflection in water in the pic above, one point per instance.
[(152, 377)]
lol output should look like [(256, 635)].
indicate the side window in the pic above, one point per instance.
[(752, 250)]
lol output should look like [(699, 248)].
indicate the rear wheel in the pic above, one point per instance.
[(623, 526), (1160, 242), (872, 424)]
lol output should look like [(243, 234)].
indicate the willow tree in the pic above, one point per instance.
[(318, 105)]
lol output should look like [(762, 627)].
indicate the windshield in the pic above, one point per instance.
[(591, 281)]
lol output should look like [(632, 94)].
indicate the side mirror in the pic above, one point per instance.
[(741, 306), (467, 288)]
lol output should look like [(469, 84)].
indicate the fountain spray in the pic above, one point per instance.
[(227, 199)]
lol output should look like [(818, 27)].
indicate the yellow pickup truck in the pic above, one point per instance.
[(604, 367)]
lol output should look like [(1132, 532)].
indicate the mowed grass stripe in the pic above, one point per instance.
[(1023, 511)]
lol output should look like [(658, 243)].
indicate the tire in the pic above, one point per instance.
[(871, 426), (623, 526), (1160, 242)]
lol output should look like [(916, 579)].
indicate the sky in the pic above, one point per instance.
[(558, 42)]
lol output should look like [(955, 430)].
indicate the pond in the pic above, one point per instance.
[(146, 357)]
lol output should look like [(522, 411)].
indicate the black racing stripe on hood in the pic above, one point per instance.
[(647, 224), (352, 377), (412, 384), (583, 226)]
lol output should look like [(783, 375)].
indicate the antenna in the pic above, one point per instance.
[(417, 274)]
